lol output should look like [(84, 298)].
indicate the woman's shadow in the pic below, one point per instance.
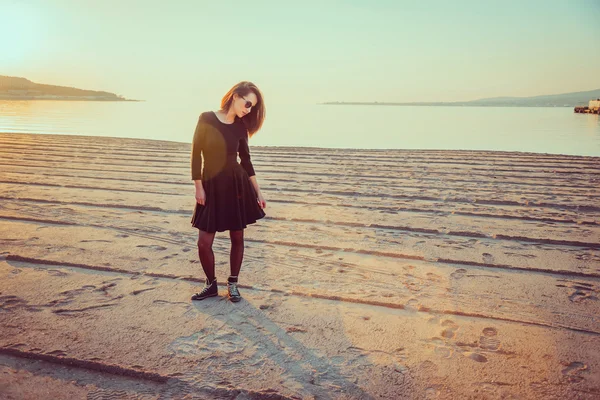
[(241, 340)]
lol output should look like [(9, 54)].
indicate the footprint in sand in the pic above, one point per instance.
[(573, 371), (295, 329), (579, 295), (487, 258), (445, 352), (412, 283), (58, 353), (459, 273), (72, 292), (433, 277), (208, 343), (104, 288), (412, 305), (10, 302), (475, 356), (56, 272), (136, 292), (581, 291), (167, 302), (68, 296), (442, 346), (106, 394), (431, 393), (151, 281), (152, 247), (450, 329), (488, 340)]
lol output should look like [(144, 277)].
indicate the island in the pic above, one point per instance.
[(16, 88), (554, 100)]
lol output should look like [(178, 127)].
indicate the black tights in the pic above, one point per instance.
[(207, 257)]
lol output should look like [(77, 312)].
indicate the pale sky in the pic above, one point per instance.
[(306, 51)]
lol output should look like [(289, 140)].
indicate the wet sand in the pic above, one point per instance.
[(376, 274)]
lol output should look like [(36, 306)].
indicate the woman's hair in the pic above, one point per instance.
[(256, 117)]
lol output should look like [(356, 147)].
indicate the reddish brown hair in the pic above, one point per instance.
[(256, 117)]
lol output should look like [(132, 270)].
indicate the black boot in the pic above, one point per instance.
[(209, 290), (232, 290)]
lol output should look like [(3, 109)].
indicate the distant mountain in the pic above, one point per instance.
[(554, 100), (14, 88)]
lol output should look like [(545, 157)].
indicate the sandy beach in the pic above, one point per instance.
[(399, 274)]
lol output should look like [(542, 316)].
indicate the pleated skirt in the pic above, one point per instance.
[(231, 202)]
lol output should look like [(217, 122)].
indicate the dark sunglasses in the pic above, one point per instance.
[(248, 103)]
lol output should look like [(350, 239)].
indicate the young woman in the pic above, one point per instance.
[(228, 197)]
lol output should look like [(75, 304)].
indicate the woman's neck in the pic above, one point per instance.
[(228, 116)]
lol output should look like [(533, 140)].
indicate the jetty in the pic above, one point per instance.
[(592, 108)]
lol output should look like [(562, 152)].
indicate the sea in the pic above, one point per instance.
[(551, 130)]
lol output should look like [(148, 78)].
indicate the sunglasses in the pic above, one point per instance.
[(248, 103)]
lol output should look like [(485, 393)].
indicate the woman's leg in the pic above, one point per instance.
[(237, 252), (206, 255), (235, 259)]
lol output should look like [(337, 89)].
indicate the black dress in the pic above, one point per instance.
[(231, 201)]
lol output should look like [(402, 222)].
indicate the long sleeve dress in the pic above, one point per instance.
[(231, 201)]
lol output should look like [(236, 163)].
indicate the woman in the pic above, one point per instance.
[(228, 197)]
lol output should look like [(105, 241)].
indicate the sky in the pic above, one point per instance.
[(306, 51)]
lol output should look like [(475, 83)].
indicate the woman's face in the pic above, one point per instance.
[(242, 105)]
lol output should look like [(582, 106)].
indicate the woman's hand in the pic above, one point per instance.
[(259, 197), (261, 201), (200, 196)]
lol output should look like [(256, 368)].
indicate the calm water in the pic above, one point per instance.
[(542, 130)]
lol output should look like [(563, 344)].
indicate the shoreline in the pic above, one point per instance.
[(321, 149)]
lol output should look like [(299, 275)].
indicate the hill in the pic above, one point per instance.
[(15, 88)]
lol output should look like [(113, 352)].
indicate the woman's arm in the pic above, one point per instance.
[(259, 196), (196, 161), (200, 194), (246, 162)]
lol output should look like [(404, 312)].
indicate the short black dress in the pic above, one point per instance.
[(231, 201)]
